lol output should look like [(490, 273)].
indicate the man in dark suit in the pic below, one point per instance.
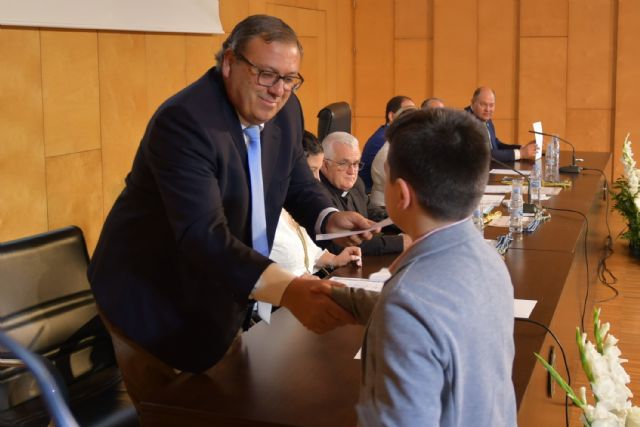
[(339, 174), (176, 269), (483, 104)]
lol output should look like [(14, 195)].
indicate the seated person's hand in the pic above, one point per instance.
[(528, 151), (345, 221), (349, 254)]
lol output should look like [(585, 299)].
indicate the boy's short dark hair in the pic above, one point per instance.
[(444, 155)]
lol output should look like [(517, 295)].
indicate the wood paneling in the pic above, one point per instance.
[(412, 19), (70, 91), (74, 193), (455, 50), (627, 79), (589, 130), (364, 127), (166, 70), (339, 32), (123, 105), (200, 52), (543, 85), (497, 53), (23, 208), (505, 129), (411, 72), (590, 54), (543, 18), (374, 57)]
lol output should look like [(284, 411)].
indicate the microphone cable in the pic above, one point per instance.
[(564, 360), (606, 276), (586, 258)]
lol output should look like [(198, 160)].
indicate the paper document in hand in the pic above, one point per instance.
[(537, 127), (331, 236)]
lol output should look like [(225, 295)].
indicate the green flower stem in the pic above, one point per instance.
[(583, 357), (562, 383), (597, 332)]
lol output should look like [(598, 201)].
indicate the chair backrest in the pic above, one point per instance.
[(46, 305), (333, 118)]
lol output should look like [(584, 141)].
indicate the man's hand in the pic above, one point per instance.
[(309, 302), (528, 151), (346, 221)]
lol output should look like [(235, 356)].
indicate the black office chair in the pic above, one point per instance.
[(333, 118), (47, 306)]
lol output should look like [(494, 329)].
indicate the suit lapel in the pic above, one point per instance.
[(270, 142)]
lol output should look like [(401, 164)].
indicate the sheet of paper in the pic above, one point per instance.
[(523, 307), (380, 276), (503, 221), (509, 172), (537, 127), (490, 201), (354, 282), (331, 236), (497, 189)]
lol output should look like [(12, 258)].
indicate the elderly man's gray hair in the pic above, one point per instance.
[(333, 138)]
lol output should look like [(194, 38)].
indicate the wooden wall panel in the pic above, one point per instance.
[(234, 11), (543, 85), (70, 91), (498, 53), (339, 33), (374, 43), (505, 129), (200, 53), (123, 104), (23, 209), (543, 17), (455, 51), (74, 193), (627, 81), (589, 129), (410, 69), (364, 127), (412, 19), (166, 71), (590, 54)]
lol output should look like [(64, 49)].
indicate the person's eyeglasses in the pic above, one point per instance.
[(268, 78), (344, 165)]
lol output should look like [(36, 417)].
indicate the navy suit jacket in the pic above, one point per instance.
[(174, 265), (499, 150)]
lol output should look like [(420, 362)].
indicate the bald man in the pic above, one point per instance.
[(483, 104)]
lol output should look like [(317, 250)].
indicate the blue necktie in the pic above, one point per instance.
[(258, 219)]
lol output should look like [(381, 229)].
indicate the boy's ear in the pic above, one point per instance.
[(405, 193)]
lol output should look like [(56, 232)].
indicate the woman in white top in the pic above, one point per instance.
[(293, 248)]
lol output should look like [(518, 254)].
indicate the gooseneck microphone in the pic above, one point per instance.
[(573, 167), (527, 207)]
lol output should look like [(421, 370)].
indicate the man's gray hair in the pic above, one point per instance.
[(338, 138), (268, 28)]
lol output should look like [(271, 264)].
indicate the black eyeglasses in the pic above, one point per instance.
[(345, 164), (268, 78)]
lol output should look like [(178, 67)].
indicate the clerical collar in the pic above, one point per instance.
[(344, 194)]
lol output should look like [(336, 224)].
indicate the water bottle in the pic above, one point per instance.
[(478, 220), (515, 207), (535, 183), (552, 160)]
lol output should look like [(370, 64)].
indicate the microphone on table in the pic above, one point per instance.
[(527, 207), (573, 167)]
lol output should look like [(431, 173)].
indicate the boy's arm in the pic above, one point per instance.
[(358, 302)]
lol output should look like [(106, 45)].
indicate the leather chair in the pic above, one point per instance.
[(47, 306), (333, 118)]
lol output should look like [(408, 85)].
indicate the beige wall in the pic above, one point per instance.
[(74, 104)]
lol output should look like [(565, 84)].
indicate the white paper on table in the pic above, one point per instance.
[(331, 236), (509, 172), (497, 189), (490, 201), (355, 282), (522, 308), (537, 127), (380, 276), (503, 221)]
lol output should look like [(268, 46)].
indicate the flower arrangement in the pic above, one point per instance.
[(602, 365), (626, 198)]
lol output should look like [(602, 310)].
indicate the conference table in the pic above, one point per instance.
[(284, 375)]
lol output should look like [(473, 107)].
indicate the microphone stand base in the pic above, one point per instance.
[(570, 169), (529, 208)]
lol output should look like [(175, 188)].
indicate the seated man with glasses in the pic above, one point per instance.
[(339, 174)]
